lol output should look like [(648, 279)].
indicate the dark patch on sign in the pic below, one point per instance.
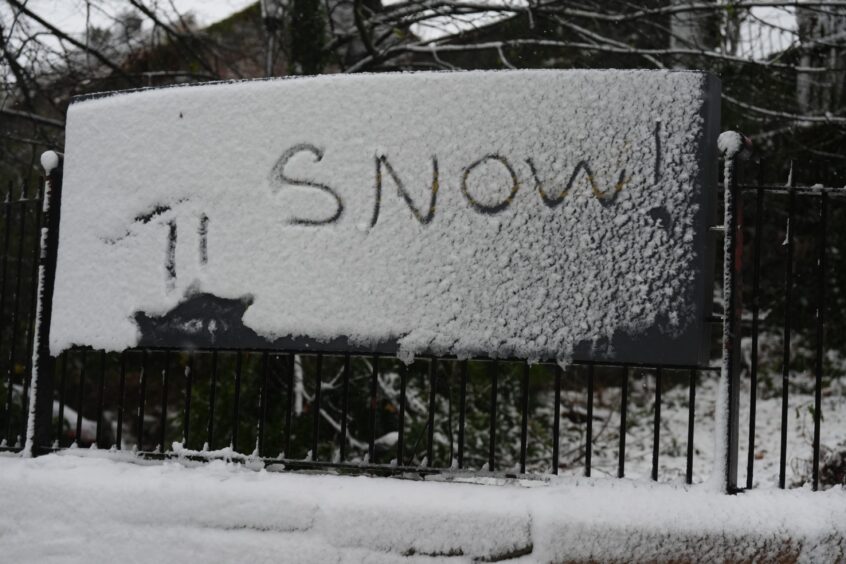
[(661, 216), (638, 346), (203, 320), (208, 321)]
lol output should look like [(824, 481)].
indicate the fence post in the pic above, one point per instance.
[(41, 401), (731, 144)]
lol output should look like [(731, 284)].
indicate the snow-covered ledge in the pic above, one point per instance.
[(90, 508)]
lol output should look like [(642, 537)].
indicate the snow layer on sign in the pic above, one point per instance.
[(517, 214)]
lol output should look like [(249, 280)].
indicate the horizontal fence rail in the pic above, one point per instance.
[(371, 413)]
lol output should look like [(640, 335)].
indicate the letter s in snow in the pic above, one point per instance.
[(278, 179)]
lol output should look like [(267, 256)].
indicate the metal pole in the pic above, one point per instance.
[(788, 306), (656, 422), (271, 16), (818, 366), (624, 408), (268, 62), (756, 304), (41, 405), (556, 421), (430, 422), (731, 144)]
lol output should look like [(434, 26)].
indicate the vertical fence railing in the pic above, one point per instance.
[(755, 307), (732, 147), (307, 410), (820, 328), (813, 290), (788, 303), (21, 216)]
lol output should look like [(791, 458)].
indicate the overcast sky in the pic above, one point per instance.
[(70, 14)]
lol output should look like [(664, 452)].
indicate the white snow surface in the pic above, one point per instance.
[(529, 281), (80, 507)]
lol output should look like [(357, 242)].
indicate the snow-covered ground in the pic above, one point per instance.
[(674, 421), (84, 508)]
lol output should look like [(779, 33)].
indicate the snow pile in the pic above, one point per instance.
[(68, 508), (531, 214)]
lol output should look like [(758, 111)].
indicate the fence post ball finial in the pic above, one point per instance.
[(734, 144), (49, 161)]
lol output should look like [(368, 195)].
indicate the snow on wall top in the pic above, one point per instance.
[(532, 214)]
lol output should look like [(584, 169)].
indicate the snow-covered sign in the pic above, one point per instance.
[(530, 214)]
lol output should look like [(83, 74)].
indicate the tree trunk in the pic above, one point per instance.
[(821, 35), (698, 30)]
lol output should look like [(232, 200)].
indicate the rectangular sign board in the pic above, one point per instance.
[(519, 214)]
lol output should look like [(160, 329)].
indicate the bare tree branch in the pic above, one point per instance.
[(64, 36), (179, 37), (50, 122), (785, 115)]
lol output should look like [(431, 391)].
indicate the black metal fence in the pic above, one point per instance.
[(372, 413), (369, 412), (800, 288), (21, 217)]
